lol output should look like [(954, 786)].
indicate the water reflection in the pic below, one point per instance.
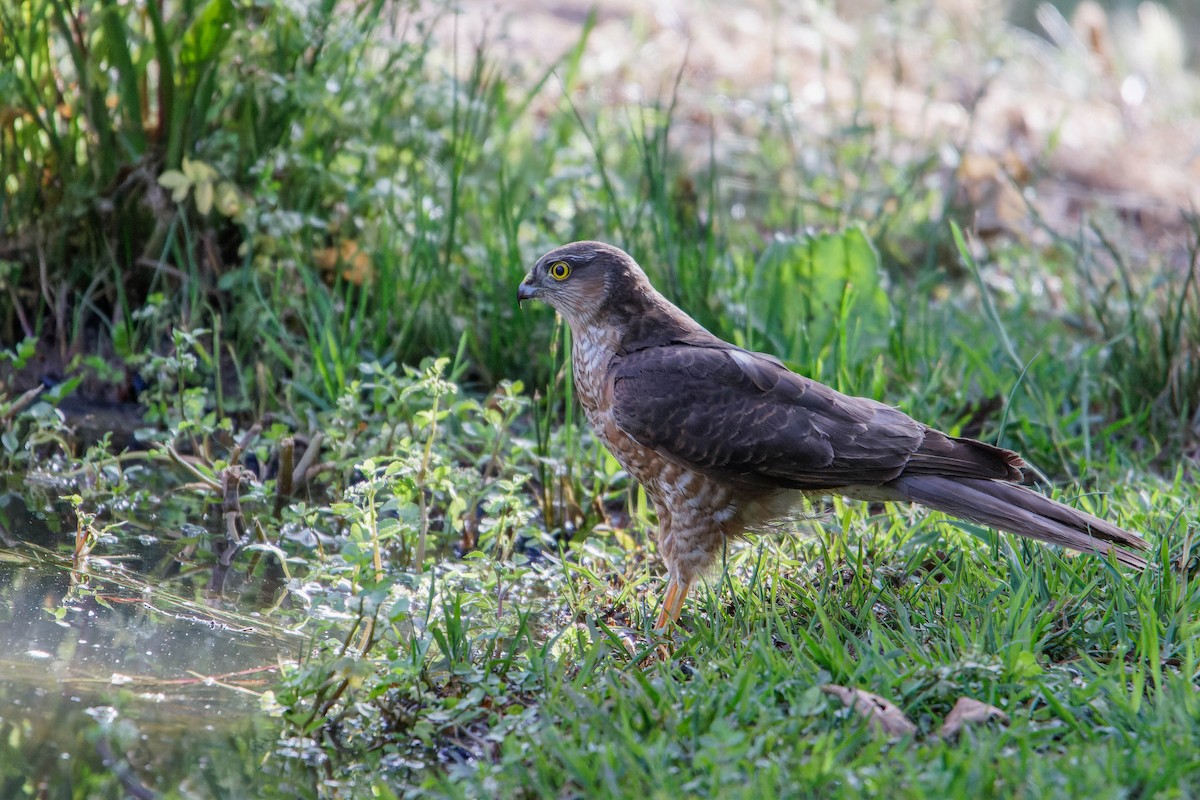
[(110, 687)]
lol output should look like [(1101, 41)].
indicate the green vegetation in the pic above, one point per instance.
[(297, 230)]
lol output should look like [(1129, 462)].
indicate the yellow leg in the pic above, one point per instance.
[(672, 604), (661, 623)]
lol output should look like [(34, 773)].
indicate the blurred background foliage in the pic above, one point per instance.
[(301, 186)]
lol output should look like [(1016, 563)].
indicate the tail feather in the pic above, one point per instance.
[(1015, 509)]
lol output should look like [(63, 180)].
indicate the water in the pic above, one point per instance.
[(113, 685)]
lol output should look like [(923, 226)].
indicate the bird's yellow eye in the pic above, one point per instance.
[(559, 270)]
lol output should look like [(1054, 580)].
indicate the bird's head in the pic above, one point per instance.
[(581, 279)]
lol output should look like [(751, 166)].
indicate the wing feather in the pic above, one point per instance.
[(746, 418)]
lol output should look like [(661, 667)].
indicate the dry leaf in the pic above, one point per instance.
[(326, 258), (883, 714), (992, 187), (358, 269), (969, 712), (355, 263)]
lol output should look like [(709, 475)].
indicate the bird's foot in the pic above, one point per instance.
[(668, 616), (672, 605)]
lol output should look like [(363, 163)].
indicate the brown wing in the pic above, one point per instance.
[(950, 456), (744, 417)]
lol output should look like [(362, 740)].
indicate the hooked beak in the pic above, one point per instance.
[(527, 291)]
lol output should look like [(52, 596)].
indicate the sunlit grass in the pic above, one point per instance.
[(397, 204)]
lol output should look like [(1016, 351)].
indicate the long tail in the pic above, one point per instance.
[(1015, 509)]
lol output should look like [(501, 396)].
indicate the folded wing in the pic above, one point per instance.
[(746, 418)]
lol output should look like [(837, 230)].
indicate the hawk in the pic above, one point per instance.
[(725, 440)]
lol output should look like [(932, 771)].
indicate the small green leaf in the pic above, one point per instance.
[(204, 197), (227, 199), (198, 171), (177, 182)]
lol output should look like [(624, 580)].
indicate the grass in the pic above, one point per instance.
[(322, 314), (496, 688), (534, 672), (738, 711)]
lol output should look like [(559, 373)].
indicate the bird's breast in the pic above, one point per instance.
[(592, 351), (687, 498)]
